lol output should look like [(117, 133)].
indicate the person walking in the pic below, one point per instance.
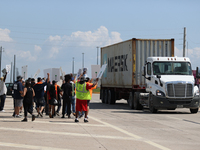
[(73, 102), (3, 91), (67, 92), (18, 99), (82, 96), (28, 95), (39, 94)]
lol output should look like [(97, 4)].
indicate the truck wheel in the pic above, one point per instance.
[(130, 100), (137, 104), (101, 93), (106, 96), (151, 108), (194, 111), (103, 96), (111, 97)]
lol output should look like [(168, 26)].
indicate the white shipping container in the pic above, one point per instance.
[(125, 60)]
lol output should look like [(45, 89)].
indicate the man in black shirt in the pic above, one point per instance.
[(67, 91)]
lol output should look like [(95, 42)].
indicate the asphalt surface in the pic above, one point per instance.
[(111, 127)]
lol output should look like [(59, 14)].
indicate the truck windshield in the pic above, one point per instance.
[(172, 68)]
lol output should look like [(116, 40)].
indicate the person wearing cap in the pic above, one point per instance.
[(18, 99), (39, 94), (3, 91), (82, 96)]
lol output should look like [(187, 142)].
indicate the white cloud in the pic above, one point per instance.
[(4, 35), (79, 40), (27, 56), (53, 52), (54, 38), (37, 48)]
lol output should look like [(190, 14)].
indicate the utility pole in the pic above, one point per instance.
[(187, 49), (11, 73), (97, 54), (73, 66), (14, 68), (83, 61), (184, 41), (0, 58)]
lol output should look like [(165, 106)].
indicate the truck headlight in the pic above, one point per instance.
[(196, 94), (160, 93)]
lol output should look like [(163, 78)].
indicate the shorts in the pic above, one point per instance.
[(81, 105), (40, 102), (18, 102)]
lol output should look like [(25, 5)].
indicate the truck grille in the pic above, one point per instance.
[(180, 90)]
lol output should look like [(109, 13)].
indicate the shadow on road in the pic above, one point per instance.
[(124, 108)]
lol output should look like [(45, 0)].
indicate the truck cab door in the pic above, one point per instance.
[(148, 75)]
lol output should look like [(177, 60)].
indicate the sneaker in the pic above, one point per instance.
[(76, 120), (24, 120), (33, 117), (2, 110), (85, 120), (17, 116)]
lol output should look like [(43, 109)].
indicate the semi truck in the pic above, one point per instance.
[(146, 74)]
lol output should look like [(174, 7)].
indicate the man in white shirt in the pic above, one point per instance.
[(3, 91)]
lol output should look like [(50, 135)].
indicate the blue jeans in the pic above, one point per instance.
[(73, 103), (2, 98)]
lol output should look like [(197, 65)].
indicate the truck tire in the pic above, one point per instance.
[(194, 111), (103, 96), (130, 100), (111, 97), (106, 96), (137, 104), (101, 93), (151, 108)]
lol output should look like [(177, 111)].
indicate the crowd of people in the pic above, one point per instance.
[(48, 97)]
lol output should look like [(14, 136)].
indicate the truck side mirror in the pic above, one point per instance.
[(144, 71)]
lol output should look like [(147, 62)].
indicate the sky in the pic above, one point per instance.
[(49, 33)]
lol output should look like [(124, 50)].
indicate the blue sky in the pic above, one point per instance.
[(47, 33)]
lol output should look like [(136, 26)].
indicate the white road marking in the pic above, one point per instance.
[(68, 133), (29, 146), (73, 124), (62, 123), (132, 135)]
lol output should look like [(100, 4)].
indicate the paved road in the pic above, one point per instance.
[(110, 127)]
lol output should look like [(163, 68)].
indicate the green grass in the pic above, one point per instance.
[(97, 90)]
